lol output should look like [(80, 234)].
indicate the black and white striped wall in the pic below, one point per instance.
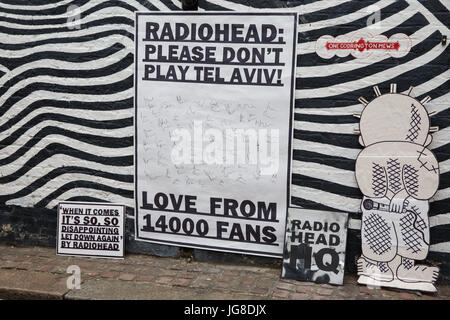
[(66, 105)]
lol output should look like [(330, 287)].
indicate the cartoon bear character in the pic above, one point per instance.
[(397, 175)]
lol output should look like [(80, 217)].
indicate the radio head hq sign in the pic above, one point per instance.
[(315, 246), (213, 119)]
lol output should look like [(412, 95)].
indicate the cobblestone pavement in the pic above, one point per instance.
[(36, 272)]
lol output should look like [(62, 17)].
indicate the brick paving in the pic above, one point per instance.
[(36, 272)]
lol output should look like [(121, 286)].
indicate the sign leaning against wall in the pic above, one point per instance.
[(213, 114)]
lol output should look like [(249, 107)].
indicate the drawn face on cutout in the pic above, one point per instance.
[(394, 117)]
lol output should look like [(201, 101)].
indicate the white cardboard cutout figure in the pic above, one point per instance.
[(397, 175)]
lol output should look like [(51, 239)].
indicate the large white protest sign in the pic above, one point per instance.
[(213, 128)]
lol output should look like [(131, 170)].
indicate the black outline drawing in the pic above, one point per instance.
[(397, 175)]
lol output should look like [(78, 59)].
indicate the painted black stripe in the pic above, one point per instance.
[(97, 124), (325, 185), (35, 161), (336, 139), (58, 148), (62, 9), (352, 26), (117, 20), (58, 9), (344, 163), (100, 6), (107, 142), (334, 12), (12, 63), (211, 6), (148, 5), (85, 199), (427, 72), (313, 60), (442, 153), (74, 105), (336, 188), (332, 161), (439, 207), (438, 10), (368, 70), (439, 233), (169, 4), (444, 180), (410, 26), (262, 4), (437, 92), (442, 119), (308, 204), (110, 88), (330, 119), (84, 184), (66, 73), (30, 2), (85, 38), (60, 171)]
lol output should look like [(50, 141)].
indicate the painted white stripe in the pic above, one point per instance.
[(69, 142), (158, 4), (32, 199), (73, 47), (440, 247), (103, 13), (445, 3), (31, 132), (108, 79), (438, 105), (231, 5), (34, 6), (302, 9), (75, 128), (326, 198), (320, 5), (324, 172), (327, 149), (326, 127), (364, 12), (61, 96), (385, 75), (416, 5), (102, 115), (85, 191), (52, 163), (177, 3), (63, 65), (439, 220), (90, 4), (444, 166), (440, 138), (21, 39), (326, 70), (354, 224), (441, 195), (61, 180)]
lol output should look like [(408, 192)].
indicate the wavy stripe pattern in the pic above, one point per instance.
[(66, 98)]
